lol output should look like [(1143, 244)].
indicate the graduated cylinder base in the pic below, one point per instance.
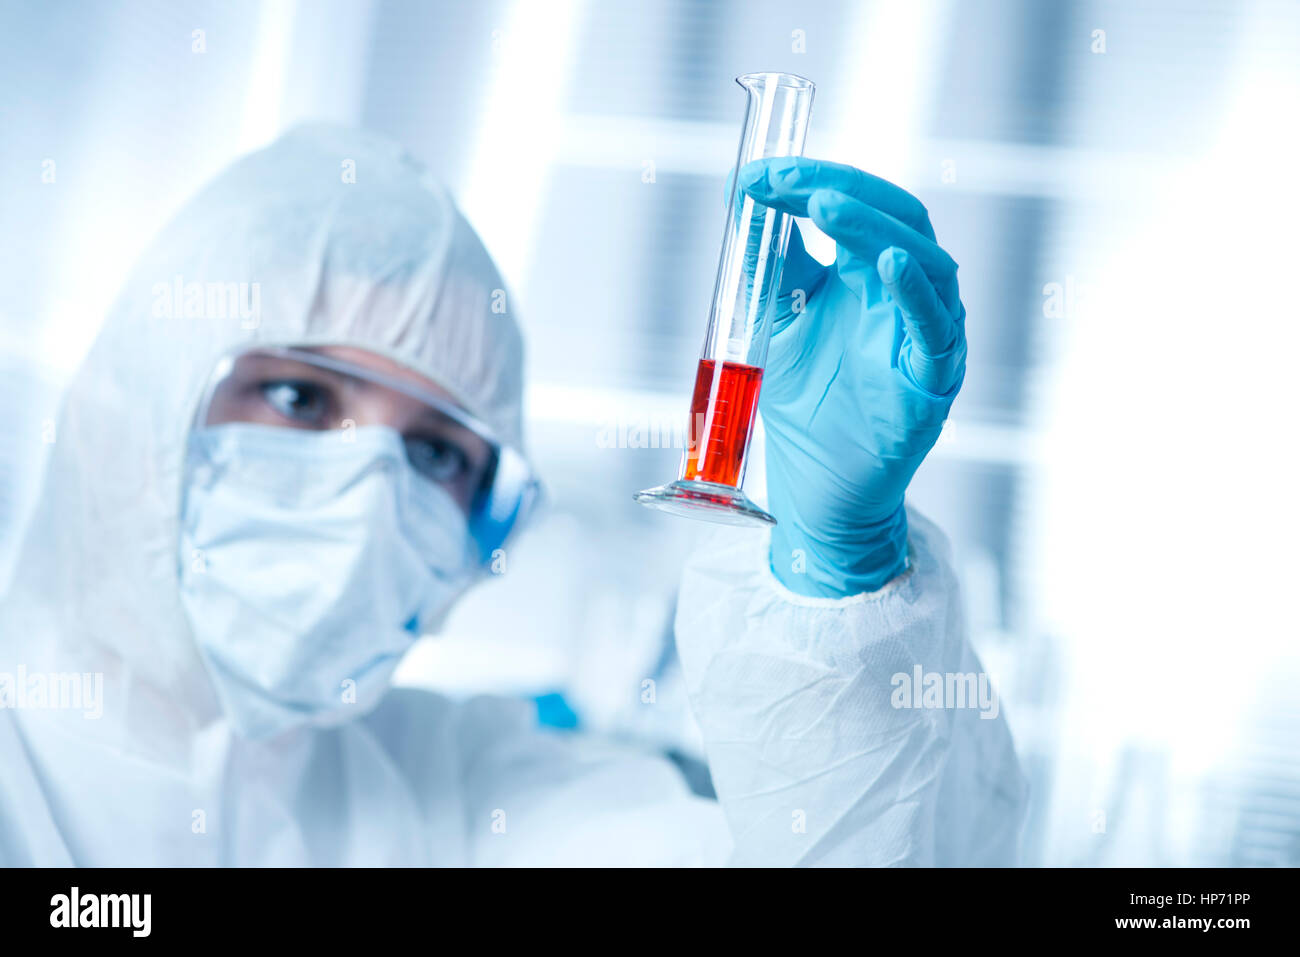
[(707, 501)]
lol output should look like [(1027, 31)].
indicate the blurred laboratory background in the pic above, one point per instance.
[(1117, 181)]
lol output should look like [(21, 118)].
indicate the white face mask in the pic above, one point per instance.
[(310, 561)]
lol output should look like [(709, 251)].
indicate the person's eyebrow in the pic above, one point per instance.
[(433, 416), (276, 368), (441, 419)]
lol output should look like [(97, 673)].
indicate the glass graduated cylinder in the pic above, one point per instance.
[(729, 376)]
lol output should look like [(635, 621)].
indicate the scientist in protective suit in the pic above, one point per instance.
[(249, 514)]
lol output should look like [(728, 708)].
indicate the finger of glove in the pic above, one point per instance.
[(801, 272), (788, 182), (801, 276), (935, 358), (926, 318), (865, 232)]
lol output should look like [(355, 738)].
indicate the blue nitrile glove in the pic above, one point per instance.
[(859, 382)]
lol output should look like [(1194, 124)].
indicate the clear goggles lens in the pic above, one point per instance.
[(315, 390)]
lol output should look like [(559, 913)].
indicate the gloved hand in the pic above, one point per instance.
[(858, 381)]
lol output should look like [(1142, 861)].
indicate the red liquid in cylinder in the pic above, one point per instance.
[(722, 416)]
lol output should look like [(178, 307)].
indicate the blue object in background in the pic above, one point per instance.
[(553, 711)]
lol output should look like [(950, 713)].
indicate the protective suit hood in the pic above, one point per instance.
[(327, 236)]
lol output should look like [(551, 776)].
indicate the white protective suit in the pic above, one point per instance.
[(812, 763)]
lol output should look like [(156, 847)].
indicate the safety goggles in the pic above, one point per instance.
[(318, 390)]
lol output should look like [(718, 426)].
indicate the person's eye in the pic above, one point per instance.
[(437, 459), (302, 402)]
